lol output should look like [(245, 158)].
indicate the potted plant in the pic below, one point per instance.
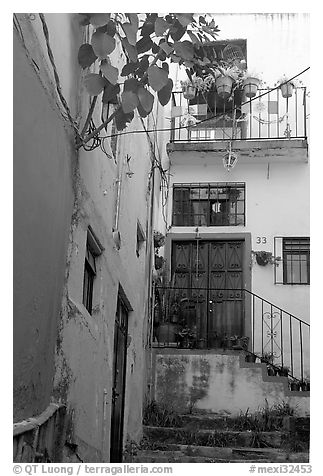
[(287, 86), (240, 342), (251, 83), (216, 341), (295, 386), (250, 357), (224, 79), (187, 337), (283, 371), (265, 257), (305, 385), (189, 89)]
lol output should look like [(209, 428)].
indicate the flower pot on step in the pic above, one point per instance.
[(250, 358), (295, 386), (224, 86), (271, 371), (167, 333)]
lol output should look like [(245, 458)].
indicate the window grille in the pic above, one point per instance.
[(295, 265), (212, 204)]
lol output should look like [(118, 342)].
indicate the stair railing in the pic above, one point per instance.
[(279, 338)]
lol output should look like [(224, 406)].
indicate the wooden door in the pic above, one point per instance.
[(119, 382), (210, 275)]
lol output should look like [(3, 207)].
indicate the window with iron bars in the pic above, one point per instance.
[(210, 204), (296, 260)]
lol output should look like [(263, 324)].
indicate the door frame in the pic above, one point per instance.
[(218, 236), (121, 295)]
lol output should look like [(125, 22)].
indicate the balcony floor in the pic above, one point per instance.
[(249, 151)]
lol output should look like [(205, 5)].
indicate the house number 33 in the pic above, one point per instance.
[(261, 239)]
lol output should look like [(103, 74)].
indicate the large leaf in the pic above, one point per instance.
[(184, 49), (193, 37), (129, 101), (177, 31), (184, 18), (131, 84), (161, 26), (157, 77), (109, 72), (131, 33), (143, 66), (166, 47), (103, 44), (149, 25), (122, 119), (129, 68), (99, 19), (144, 44), (94, 84), (111, 28), (146, 99), (110, 93), (84, 18), (133, 18), (165, 93), (141, 111), (130, 50), (86, 55)]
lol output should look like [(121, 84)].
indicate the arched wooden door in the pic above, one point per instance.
[(210, 274)]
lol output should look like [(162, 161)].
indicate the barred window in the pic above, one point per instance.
[(213, 204), (93, 250), (296, 260)]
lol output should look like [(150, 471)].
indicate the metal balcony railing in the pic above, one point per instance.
[(208, 318), (267, 116)]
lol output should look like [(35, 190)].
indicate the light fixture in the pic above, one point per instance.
[(230, 159)]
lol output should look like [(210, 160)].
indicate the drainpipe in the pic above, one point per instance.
[(115, 232)]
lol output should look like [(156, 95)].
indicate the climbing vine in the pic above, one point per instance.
[(150, 42)]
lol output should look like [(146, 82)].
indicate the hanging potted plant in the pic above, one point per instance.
[(265, 257), (251, 83), (224, 79), (189, 89), (287, 86)]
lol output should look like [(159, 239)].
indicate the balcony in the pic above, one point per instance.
[(268, 117)]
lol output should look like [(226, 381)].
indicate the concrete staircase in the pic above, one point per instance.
[(211, 438)]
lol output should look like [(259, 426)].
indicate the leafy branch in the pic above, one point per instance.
[(149, 42)]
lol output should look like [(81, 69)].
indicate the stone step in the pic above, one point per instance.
[(222, 438), (231, 455), (213, 421)]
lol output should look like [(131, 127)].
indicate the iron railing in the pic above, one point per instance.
[(232, 318), (40, 439), (267, 116)]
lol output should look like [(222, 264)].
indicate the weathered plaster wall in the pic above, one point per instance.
[(43, 201), (220, 383)]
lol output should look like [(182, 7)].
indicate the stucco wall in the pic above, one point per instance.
[(277, 204), (43, 200), (220, 383)]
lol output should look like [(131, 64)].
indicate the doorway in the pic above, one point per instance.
[(119, 381), (210, 275)]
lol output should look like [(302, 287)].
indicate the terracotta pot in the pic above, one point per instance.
[(295, 386), (224, 86), (250, 358), (167, 333), (250, 86), (287, 90), (189, 91)]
